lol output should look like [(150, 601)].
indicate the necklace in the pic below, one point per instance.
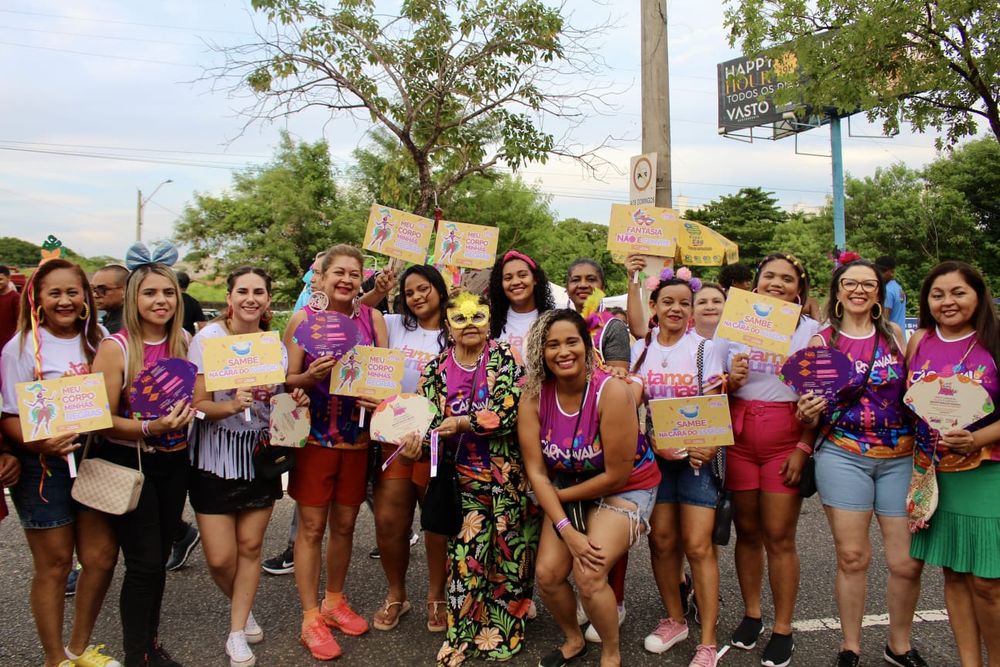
[(668, 352), (471, 367)]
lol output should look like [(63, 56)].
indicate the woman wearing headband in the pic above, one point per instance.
[(57, 336), (519, 292), (475, 387), (152, 331), (763, 468), (231, 500)]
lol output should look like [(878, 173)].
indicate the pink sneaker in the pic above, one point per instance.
[(344, 618), (704, 656), (320, 642), (667, 633)]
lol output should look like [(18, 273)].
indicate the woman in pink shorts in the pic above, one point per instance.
[(762, 470)]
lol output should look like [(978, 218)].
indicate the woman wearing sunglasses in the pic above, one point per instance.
[(864, 461)]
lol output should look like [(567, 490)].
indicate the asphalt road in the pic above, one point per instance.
[(195, 616)]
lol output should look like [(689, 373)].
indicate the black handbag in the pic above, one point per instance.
[(442, 509), (272, 462)]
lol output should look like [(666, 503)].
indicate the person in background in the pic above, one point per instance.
[(9, 306), (311, 280), (108, 286), (10, 472), (895, 298), (192, 308), (736, 275)]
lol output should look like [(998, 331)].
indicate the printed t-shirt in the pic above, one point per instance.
[(225, 447), (473, 450), (420, 346), (762, 382), (60, 357), (515, 331), (672, 372), (875, 424)]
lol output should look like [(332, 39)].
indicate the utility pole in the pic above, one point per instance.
[(140, 204), (656, 95)]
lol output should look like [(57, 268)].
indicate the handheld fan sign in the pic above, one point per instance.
[(289, 422), (398, 416), (327, 333), (955, 401), (823, 371), (160, 386)]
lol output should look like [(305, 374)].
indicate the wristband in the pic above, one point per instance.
[(145, 428), (562, 524), (804, 447)]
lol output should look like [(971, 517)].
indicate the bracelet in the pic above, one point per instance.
[(145, 427), (562, 524), (804, 447)]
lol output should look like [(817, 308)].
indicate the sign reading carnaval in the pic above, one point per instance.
[(823, 371), (695, 421), (642, 230), (246, 360), (289, 422), (400, 415), (464, 245), (398, 234), (760, 321), (945, 403), (70, 404), (370, 372)]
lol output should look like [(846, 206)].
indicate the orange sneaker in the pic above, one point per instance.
[(319, 640), (344, 618)]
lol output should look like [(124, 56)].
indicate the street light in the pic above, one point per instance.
[(140, 204)]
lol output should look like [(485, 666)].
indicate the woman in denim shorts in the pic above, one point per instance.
[(573, 431), (864, 459), (57, 305)]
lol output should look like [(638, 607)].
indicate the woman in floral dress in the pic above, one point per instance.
[(474, 387)]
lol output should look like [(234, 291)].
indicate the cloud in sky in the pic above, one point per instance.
[(109, 77)]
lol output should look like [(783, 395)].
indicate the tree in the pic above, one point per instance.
[(748, 218), (462, 85), (277, 216), (571, 239), (810, 238), (932, 64)]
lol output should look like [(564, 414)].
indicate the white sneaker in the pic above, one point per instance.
[(591, 633), (238, 651), (254, 633)]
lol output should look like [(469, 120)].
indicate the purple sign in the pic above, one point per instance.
[(327, 333), (822, 370), (159, 387)]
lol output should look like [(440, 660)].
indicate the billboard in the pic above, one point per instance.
[(746, 90)]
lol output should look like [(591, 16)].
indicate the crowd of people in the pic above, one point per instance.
[(542, 412)]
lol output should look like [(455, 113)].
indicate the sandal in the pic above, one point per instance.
[(432, 616), (385, 609)]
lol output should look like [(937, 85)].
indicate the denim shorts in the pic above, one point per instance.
[(643, 499), (857, 483), (34, 512), (680, 483)]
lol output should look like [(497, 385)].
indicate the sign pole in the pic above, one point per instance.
[(655, 78), (836, 150)]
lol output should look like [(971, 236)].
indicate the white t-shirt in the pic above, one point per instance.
[(60, 357), (420, 346), (672, 372), (515, 331), (762, 383)]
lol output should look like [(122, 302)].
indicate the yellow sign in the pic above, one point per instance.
[(70, 404), (642, 230), (695, 421), (760, 321), (468, 246), (247, 360), (398, 234), (371, 372), (699, 245)]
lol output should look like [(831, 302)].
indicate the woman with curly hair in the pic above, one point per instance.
[(475, 387), (519, 292)]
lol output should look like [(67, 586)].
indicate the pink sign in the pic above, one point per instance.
[(159, 387), (327, 333)]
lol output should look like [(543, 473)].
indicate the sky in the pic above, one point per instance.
[(125, 80)]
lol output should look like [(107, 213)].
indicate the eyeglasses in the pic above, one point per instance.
[(867, 286), (101, 290)]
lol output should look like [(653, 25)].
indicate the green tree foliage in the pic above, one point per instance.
[(556, 248), (933, 64), (24, 254), (277, 216), (462, 85), (810, 238), (750, 218)]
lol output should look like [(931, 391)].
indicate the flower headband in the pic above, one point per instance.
[(138, 255), (514, 254), (683, 273), (841, 257)]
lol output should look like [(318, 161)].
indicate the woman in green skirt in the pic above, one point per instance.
[(960, 334)]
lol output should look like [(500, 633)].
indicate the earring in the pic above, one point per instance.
[(267, 316), (798, 299), (838, 309), (879, 316), (85, 313), (319, 301)]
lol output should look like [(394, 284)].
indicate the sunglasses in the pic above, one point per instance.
[(101, 290)]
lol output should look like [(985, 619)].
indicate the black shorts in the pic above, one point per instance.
[(211, 494)]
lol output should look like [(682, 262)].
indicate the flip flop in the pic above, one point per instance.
[(404, 607), (432, 613)]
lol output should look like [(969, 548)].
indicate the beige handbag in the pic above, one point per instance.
[(107, 487)]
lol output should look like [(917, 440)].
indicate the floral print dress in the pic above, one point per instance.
[(491, 561)]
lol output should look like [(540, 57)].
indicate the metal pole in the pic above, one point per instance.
[(138, 215), (656, 95), (839, 230)]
